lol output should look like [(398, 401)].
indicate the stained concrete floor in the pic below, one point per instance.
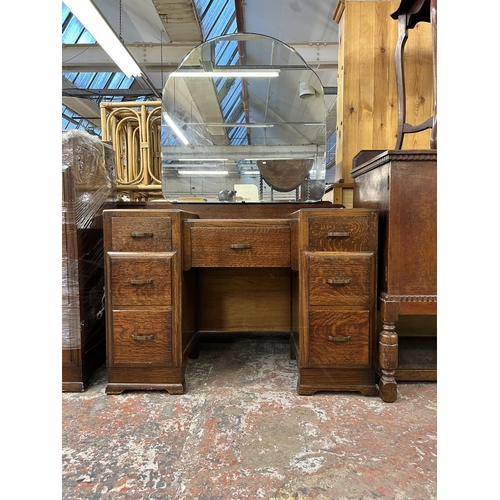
[(241, 431)]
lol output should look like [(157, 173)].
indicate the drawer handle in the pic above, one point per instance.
[(142, 338), (141, 282), (331, 281), (339, 339), (240, 245), (339, 234), (141, 235)]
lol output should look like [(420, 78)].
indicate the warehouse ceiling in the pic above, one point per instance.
[(160, 33)]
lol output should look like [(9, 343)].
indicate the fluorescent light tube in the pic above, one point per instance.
[(91, 18), (202, 159), (245, 125), (203, 172), (265, 159), (176, 129), (236, 73)]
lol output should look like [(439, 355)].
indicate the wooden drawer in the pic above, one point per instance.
[(339, 234), (141, 234), (340, 278), (140, 279), (142, 337), (339, 338), (264, 246)]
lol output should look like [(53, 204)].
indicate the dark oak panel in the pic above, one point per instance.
[(402, 186)]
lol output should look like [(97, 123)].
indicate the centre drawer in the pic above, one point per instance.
[(240, 245)]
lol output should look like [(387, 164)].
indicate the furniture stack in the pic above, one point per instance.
[(88, 187)]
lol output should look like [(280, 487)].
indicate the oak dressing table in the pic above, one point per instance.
[(178, 270), (235, 116)]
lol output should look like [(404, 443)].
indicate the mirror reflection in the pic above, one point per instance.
[(243, 120)]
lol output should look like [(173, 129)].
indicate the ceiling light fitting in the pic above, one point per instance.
[(98, 27), (268, 158), (226, 73), (306, 91), (203, 159), (176, 129), (203, 172), (246, 125)]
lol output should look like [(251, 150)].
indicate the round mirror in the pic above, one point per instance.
[(243, 113)]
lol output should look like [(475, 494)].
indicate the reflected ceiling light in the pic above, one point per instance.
[(176, 129), (203, 159), (306, 91), (268, 158), (91, 18), (203, 172), (246, 125), (236, 73)]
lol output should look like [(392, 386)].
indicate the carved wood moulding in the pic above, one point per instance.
[(407, 298), (396, 156)]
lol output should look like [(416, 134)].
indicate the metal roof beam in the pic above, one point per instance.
[(91, 57), (84, 107)]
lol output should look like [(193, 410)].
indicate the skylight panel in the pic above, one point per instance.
[(101, 80), (218, 17)]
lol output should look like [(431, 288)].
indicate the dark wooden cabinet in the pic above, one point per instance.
[(172, 275), (402, 186)]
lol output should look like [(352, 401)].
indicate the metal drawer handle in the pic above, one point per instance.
[(339, 339), (339, 234), (141, 282), (332, 281), (141, 235), (142, 337), (240, 245)]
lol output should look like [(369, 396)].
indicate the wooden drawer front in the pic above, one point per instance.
[(339, 234), (142, 337), (141, 234), (240, 246), (340, 278), (140, 279), (339, 338)]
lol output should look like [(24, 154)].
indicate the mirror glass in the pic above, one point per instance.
[(243, 120)]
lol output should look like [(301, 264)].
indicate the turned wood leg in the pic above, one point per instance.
[(388, 352)]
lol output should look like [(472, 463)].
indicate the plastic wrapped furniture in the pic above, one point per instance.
[(88, 187)]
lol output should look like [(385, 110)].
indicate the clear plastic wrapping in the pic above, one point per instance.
[(88, 187)]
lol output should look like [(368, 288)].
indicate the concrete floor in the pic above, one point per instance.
[(241, 431)]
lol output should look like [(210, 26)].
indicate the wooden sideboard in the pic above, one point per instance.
[(175, 271), (402, 186)]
